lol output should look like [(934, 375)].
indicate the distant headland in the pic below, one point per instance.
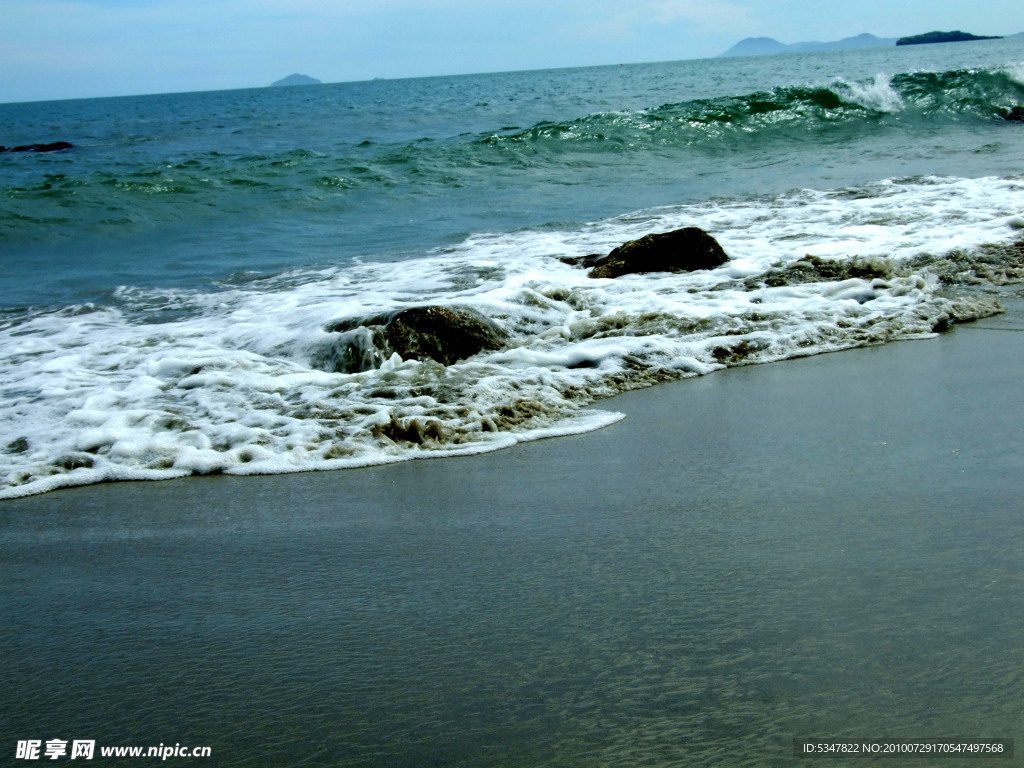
[(942, 37), (767, 46), (297, 79)]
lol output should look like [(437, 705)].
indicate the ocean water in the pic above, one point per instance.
[(170, 282)]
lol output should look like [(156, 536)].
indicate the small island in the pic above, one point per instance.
[(297, 79), (942, 37)]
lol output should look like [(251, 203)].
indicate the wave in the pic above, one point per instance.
[(139, 189), (906, 100)]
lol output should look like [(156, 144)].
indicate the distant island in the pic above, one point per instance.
[(767, 46), (942, 37), (297, 79)]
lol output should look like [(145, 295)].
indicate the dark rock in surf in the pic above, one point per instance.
[(18, 445), (587, 262), (682, 250), (418, 431), (440, 333), (444, 334), (55, 146), (814, 269), (1015, 115)]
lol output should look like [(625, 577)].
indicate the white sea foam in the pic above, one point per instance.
[(93, 394), (876, 94), (1015, 70)]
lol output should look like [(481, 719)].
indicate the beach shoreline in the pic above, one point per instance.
[(817, 547), (1011, 317)]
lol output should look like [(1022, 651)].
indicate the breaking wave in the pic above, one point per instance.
[(300, 180)]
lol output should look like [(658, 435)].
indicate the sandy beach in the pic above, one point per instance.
[(822, 547)]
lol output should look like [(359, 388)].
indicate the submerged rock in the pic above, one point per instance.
[(18, 445), (1015, 115), (444, 334), (682, 250), (814, 269), (418, 431), (55, 146), (991, 264)]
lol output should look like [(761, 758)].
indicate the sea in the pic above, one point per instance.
[(174, 283)]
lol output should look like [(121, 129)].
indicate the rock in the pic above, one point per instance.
[(18, 445), (418, 431), (682, 250), (1016, 115), (440, 333), (444, 334), (814, 269), (55, 146), (587, 262)]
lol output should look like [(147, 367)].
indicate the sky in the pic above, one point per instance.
[(59, 49)]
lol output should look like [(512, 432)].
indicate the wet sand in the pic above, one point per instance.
[(822, 547)]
